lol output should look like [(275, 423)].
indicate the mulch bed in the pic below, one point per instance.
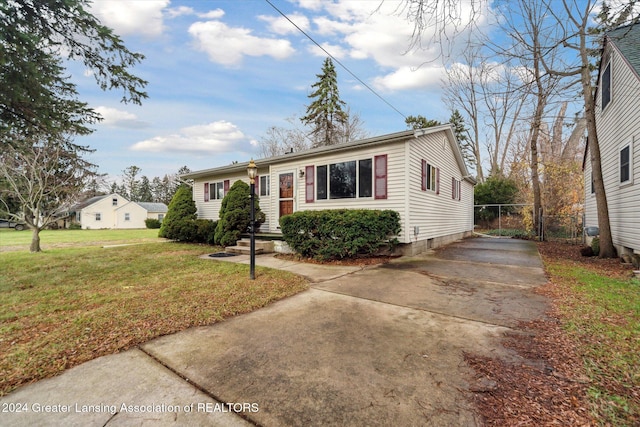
[(359, 262)]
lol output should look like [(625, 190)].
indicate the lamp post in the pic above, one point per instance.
[(252, 171)]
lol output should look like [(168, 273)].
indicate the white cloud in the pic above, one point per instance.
[(336, 50), (132, 17), (407, 78), (228, 45), (213, 138), (174, 12), (281, 25), (380, 31), (212, 14), (119, 118)]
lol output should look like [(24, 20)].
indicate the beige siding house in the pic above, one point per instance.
[(114, 211), (618, 126), (420, 174)]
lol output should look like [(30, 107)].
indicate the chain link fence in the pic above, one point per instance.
[(512, 220), (566, 228), (516, 220)]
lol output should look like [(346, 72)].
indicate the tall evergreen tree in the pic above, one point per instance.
[(35, 95), (420, 122), (325, 113), (144, 193), (462, 135)]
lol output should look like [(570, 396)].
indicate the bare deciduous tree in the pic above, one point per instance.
[(47, 178)]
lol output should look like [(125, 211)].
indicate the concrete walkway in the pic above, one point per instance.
[(375, 346)]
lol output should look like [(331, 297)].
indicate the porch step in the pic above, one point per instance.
[(243, 246)]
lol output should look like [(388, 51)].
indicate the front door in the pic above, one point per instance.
[(285, 193)]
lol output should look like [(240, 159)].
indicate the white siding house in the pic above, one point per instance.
[(114, 211), (420, 174), (618, 127)]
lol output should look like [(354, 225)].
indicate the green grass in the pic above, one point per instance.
[(603, 314), (20, 240), (65, 306)]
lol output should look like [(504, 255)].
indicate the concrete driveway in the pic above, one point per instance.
[(381, 346), (376, 346)]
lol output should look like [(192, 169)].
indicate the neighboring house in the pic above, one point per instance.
[(420, 174), (114, 211), (618, 126)]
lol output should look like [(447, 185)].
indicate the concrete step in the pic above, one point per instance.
[(265, 245), (243, 250)]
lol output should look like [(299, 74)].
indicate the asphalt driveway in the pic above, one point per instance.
[(376, 346)]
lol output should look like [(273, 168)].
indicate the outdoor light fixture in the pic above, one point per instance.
[(252, 171)]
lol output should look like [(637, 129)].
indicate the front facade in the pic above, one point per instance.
[(114, 211), (420, 174), (618, 127)]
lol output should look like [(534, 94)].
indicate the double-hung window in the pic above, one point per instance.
[(455, 189), (215, 190), (430, 177), (264, 185), (626, 164), (605, 85)]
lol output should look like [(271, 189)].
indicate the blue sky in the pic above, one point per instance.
[(222, 72)]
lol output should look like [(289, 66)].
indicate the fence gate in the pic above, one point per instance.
[(566, 228)]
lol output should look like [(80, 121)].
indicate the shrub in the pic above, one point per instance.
[(152, 223), (340, 233), (75, 226), (595, 246), (235, 214), (182, 207), (205, 231)]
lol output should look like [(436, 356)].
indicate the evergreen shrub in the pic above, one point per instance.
[(152, 223), (340, 233), (235, 214), (182, 207)]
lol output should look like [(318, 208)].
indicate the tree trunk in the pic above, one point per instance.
[(35, 240), (535, 179), (607, 249)]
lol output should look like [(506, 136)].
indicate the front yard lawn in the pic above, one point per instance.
[(63, 307)]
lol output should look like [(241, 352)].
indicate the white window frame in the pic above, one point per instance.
[(127, 216), (629, 181), (98, 216), (214, 189), (610, 67), (265, 185)]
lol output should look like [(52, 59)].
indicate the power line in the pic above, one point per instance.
[(336, 60)]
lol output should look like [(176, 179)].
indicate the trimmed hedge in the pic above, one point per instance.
[(340, 233), (192, 231), (152, 223)]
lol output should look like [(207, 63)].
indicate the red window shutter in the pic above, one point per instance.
[(256, 188), (380, 176), (424, 175), (453, 187), (437, 180), (226, 186), (309, 173), (206, 191)]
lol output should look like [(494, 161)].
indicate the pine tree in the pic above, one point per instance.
[(462, 135), (420, 122), (325, 113)]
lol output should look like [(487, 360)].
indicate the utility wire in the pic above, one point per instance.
[(336, 60)]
